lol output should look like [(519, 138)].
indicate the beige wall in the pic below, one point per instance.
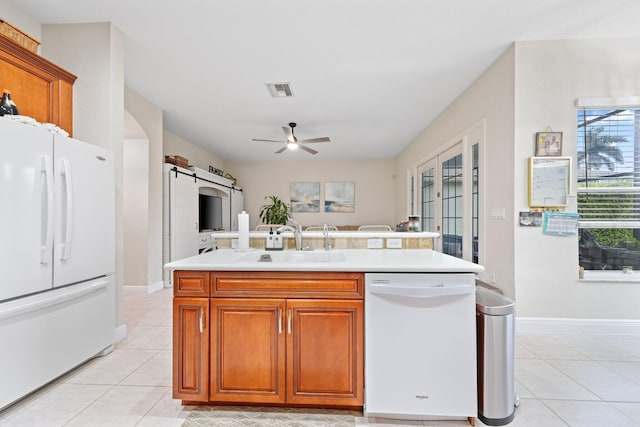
[(149, 118), (136, 210), (488, 104), (550, 77), (175, 145), (373, 180)]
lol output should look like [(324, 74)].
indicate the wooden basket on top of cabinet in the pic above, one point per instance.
[(18, 37)]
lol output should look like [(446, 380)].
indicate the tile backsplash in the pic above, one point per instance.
[(336, 243)]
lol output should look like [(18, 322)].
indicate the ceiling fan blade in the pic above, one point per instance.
[(323, 139), (267, 140), (287, 131), (281, 150), (307, 149)]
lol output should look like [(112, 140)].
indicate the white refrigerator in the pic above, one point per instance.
[(57, 255)]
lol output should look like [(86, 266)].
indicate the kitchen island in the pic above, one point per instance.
[(286, 327), (360, 260)]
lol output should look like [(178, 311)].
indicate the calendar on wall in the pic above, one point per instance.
[(549, 181)]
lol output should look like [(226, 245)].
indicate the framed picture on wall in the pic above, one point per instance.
[(305, 197), (339, 197), (548, 144)]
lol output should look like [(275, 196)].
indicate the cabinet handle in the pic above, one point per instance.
[(279, 320), (289, 322), (201, 320)]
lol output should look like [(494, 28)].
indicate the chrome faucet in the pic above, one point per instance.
[(327, 239), (296, 229)]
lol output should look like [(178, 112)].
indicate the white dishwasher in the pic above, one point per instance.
[(420, 345)]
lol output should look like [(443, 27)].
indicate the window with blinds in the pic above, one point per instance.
[(609, 188)]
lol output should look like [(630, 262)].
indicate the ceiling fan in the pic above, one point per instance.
[(293, 143)]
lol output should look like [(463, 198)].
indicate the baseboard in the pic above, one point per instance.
[(543, 325), (155, 287), (139, 289), (120, 332)]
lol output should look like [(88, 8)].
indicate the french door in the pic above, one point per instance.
[(445, 200), (452, 203)]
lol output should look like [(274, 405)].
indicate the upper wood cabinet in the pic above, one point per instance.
[(39, 88)]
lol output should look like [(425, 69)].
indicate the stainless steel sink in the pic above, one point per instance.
[(289, 257)]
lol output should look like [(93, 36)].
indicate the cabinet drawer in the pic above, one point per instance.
[(287, 284), (191, 283)]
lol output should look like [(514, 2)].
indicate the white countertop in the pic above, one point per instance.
[(333, 234), (351, 260)]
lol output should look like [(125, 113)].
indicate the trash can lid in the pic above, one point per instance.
[(492, 303)]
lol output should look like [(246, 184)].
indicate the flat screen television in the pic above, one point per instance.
[(210, 217)]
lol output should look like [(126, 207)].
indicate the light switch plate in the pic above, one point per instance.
[(374, 243), (497, 213), (394, 243)]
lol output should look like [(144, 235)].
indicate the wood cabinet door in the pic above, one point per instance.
[(191, 349), (248, 350), (325, 343)]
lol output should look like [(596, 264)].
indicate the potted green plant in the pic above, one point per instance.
[(275, 212)]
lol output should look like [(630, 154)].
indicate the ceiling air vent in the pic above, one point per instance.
[(279, 90)]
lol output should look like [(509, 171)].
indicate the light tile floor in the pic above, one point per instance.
[(562, 380)]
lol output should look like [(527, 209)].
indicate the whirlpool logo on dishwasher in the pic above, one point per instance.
[(421, 396)]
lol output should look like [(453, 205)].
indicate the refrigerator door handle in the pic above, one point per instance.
[(46, 235), (65, 245), (425, 291)]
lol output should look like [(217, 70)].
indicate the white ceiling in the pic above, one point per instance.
[(369, 74)]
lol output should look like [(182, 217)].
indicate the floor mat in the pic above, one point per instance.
[(249, 416)]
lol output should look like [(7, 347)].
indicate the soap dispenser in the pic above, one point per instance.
[(270, 240), (278, 242)]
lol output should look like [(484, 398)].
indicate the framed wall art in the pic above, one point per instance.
[(339, 197), (305, 197), (548, 144)]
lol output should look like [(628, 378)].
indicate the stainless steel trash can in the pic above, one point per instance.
[(495, 341)]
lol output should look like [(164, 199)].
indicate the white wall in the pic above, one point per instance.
[(95, 53), (374, 181), (149, 117), (175, 145), (487, 104), (550, 76)]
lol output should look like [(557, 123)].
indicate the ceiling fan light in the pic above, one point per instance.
[(292, 145)]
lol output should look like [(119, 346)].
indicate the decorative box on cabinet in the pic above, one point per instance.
[(40, 89)]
